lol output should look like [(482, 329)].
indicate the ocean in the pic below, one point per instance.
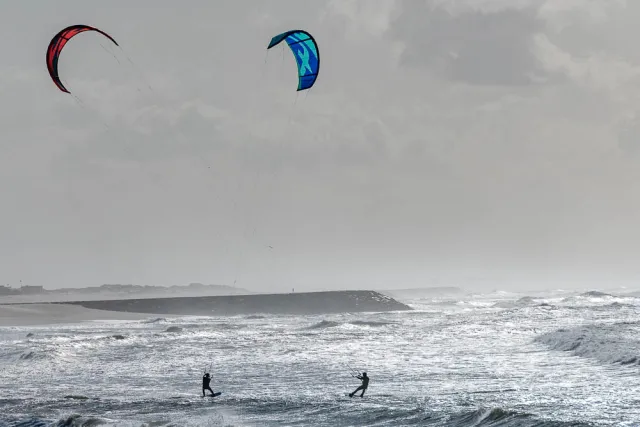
[(499, 359)]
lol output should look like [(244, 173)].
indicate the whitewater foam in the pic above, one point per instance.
[(499, 360), (617, 343)]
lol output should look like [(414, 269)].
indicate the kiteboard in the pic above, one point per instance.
[(216, 394)]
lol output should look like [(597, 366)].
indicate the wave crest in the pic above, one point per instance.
[(324, 324), (611, 344)]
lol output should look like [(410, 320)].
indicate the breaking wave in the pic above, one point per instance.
[(77, 420), (370, 323), (596, 294), (72, 421), (331, 324), (324, 324), (523, 302), (617, 343), (504, 418), (155, 320)]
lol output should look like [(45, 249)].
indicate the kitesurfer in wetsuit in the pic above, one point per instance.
[(363, 387), (206, 380)]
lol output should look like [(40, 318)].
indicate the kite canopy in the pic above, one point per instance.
[(58, 42), (305, 50)]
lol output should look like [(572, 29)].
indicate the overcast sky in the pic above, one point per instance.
[(444, 141)]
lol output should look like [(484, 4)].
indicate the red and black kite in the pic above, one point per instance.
[(58, 42)]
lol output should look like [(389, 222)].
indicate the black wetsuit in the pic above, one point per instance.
[(206, 380), (363, 387)]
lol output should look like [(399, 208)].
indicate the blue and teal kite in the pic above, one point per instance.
[(305, 50)]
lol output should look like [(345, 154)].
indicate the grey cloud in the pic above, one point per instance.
[(388, 168), (629, 137), (473, 46)]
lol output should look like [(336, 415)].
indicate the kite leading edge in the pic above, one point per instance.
[(58, 42), (305, 50)]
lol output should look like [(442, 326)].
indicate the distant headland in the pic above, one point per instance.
[(113, 291), (229, 305)]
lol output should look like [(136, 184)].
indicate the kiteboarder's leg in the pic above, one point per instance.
[(356, 390), (363, 390), (209, 388)]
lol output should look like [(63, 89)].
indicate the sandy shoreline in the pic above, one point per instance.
[(51, 314)]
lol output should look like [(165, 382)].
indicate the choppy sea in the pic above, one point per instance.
[(499, 359)]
